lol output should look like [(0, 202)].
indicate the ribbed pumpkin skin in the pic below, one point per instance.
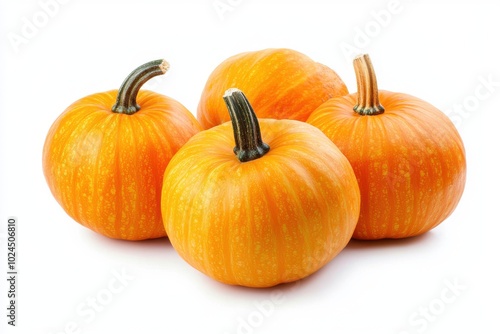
[(409, 162), (298, 85), (105, 169), (272, 220)]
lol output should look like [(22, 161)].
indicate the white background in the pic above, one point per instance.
[(442, 52)]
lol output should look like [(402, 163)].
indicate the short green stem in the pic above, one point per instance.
[(247, 136), (126, 101), (368, 100)]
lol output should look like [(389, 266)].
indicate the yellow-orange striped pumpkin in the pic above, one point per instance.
[(274, 209), (408, 157), (281, 83), (104, 161)]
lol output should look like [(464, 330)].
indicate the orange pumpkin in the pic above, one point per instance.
[(281, 83), (274, 209), (408, 157), (104, 157)]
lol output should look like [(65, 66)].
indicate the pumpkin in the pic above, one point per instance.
[(259, 203), (298, 83), (408, 157), (105, 155)]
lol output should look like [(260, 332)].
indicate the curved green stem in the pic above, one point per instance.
[(127, 94), (249, 144), (368, 100)]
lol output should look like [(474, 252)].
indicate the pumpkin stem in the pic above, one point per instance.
[(127, 94), (247, 137), (368, 100)]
